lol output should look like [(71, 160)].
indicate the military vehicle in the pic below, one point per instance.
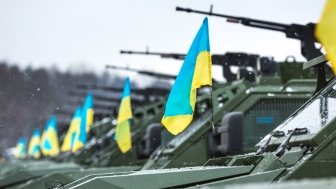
[(200, 138), (299, 146)]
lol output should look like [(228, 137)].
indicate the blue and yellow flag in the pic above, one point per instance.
[(34, 145), (49, 140), (123, 129), (85, 124), (21, 148), (73, 129), (89, 113), (326, 31), (195, 72)]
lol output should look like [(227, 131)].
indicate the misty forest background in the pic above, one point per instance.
[(28, 97)]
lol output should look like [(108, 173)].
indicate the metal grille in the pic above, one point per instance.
[(265, 115)]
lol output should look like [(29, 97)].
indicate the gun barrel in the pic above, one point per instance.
[(154, 91), (177, 56), (99, 87), (241, 20), (188, 10), (118, 68), (139, 52)]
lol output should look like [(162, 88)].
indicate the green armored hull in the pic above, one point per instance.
[(32, 170), (58, 179), (262, 108)]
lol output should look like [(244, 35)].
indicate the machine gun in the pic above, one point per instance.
[(145, 91), (304, 33), (103, 98), (143, 72), (177, 56), (149, 94), (225, 60)]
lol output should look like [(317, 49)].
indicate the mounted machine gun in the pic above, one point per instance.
[(304, 33)]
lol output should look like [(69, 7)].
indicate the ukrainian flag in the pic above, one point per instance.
[(85, 124), (20, 149), (123, 129), (89, 113), (49, 140), (326, 31), (34, 145), (195, 72), (69, 138)]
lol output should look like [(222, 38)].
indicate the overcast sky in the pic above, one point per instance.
[(88, 34)]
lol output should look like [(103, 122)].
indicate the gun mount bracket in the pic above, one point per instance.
[(318, 62), (314, 62)]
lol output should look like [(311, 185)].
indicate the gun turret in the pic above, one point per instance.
[(148, 73), (304, 33)]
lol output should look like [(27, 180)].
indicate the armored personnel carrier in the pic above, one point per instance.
[(302, 144), (264, 105)]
